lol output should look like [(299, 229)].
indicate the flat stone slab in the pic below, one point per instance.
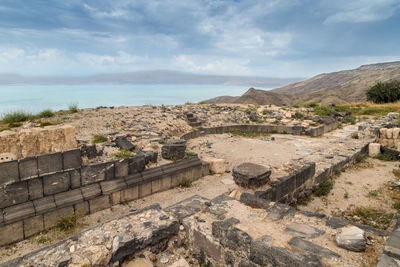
[(308, 246), (392, 247), (251, 175), (351, 238), (303, 230), (386, 261)]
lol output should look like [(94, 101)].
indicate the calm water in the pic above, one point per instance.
[(36, 98)]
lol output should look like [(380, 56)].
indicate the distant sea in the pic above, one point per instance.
[(36, 98)]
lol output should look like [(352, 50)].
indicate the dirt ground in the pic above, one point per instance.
[(208, 187), (363, 185)]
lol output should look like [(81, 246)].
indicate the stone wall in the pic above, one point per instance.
[(390, 137), (35, 192), (280, 129), (36, 141)]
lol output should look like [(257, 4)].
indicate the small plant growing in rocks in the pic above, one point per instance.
[(99, 138), (324, 188), (67, 223), (47, 113), (123, 154), (387, 156), (185, 182), (355, 135), (346, 195), (73, 108), (373, 193), (396, 172)]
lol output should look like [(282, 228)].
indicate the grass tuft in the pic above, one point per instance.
[(185, 182), (47, 113), (73, 107), (123, 154), (387, 156), (99, 138), (67, 223), (324, 188), (17, 116)]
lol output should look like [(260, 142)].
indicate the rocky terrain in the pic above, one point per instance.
[(337, 87)]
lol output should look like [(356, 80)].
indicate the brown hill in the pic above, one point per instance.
[(261, 97), (342, 86)]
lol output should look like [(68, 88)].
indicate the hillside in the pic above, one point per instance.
[(342, 86), (337, 87)]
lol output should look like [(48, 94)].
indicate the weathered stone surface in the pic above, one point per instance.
[(28, 168), (81, 208), (107, 187), (19, 212), (99, 203), (310, 247), (72, 159), (43, 205), (254, 201), (35, 187), (38, 141), (9, 172), (217, 166), (91, 191), (142, 262), (176, 149), (121, 168), (374, 149), (51, 218), (387, 261), (123, 143), (351, 238), (11, 233), (14, 194), (180, 263), (50, 163), (33, 225), (68, 198), (303, 230), (130, 193), (251, 175), (392, 247), (238, 241), (206, 244), (75, 176), (56, 183), (220, 228)]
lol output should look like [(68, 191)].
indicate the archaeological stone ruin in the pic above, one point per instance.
[(46, 174)]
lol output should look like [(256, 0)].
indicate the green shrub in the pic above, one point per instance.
[(350, 119), (67, 223), (123, 154), (355, 135), (99, 138), (17, 116), (202, 102), (185, 182), (47, 113), (73, 107), (311, 104), (14, 124), (324, 188), (323, 110), (387, 156), (298, 116), (384, 92), (266, 111)]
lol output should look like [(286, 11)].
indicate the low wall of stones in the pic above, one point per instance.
[(300, 183), (35, 192), (390, 137), (36, 141), (280, 129)]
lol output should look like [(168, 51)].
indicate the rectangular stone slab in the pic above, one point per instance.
[(19, 212)]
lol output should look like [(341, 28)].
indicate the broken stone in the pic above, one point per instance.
[(123, 143), (251, 175), (303, 230), (217, 166), (386, 261), (308, 246), (351, 238), (374, 149)]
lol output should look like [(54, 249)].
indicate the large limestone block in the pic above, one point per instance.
[(217, 166), (351, 238), (389, 133), (390, 143), (374, 149), (382, 132), (396, 132)]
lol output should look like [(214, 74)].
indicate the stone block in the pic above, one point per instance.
[(35, 187), (382, 132), (396, 133), (303, 230), (94, 173), (107, 187), (152, 173), (43, 205), (220, 228), (91, 191), (81, 208), (144, 189), (130, 193), (68, 198), (14, 194), (374, 149), (99, 203), (389, 133), (392, 246), (251, 175), (110, 172), (351, 238), (238, 241), (33, 225), (9, 172), (136, 164), (72, 159), (75, 177), (133, 179), (11, 233), (51, 218), (28, 168), (18, 212), (210, 248), (217, 166), (121, 168), (50, 163), (307, 246), (56, 183), (162, 184), (116, 198)]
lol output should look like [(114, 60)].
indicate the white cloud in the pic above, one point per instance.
[(362, 11)]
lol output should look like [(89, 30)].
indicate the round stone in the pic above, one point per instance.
[(251, 175)]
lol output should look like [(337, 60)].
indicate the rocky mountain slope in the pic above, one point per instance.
[(337, 87)]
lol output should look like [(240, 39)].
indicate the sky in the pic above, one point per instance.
[(269, 38)]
